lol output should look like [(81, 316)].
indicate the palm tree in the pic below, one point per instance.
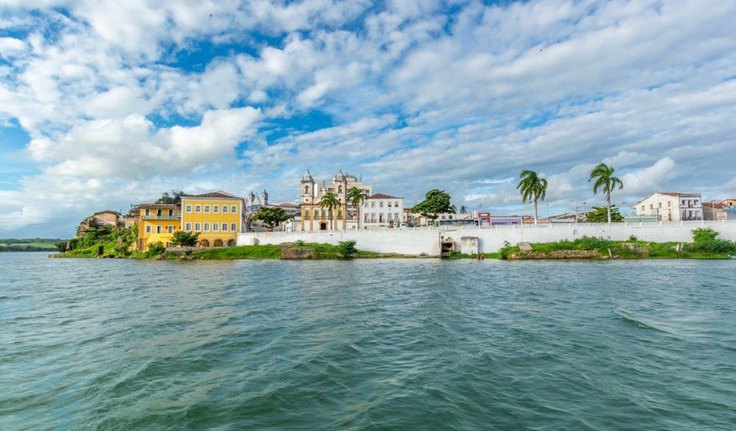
[(356, 197), (330, 201), (603, 175), (532, 188)]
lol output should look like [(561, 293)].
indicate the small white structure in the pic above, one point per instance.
[(381, 210), (668, 206)]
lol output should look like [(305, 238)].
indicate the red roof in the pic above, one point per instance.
[(382, 196), (715, 205), (217, 194)]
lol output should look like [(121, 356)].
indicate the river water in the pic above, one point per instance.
[(367, 344)]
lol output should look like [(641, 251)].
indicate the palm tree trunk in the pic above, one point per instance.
[(608, 200), (535, 211)]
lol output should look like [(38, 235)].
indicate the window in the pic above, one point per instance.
[(188, 208), (171, 213), (158, 229), (396, 204), (215, 227), (306, 190), (197, 208), (389, 204), (206, 227), (197, 227), (206, 208), (170, 229), (380, 204), (148, 229), (224, 227), (316, 214), (233, 208), (148, 212), (215, 208), (158, 212), (224, 208), (233, 227), (339, 214), (188, 227), (373, 204)]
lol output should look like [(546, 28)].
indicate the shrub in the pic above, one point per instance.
[(156, 249), (712, 246), (347, 248), (704, 234)]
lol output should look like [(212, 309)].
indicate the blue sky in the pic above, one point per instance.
[(104, 104)]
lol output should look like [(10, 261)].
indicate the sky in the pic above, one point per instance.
[(109, 103)]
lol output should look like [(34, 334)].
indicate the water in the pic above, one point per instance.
[(389, 344)]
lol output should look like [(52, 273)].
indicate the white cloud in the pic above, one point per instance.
[(11, 47), (651, 179)]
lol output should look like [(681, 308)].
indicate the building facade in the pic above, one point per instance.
[(668, 206), (216, 216), (157, 223), (381, 210), (317, 218)]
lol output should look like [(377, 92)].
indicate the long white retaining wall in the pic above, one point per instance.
[(415, 241)]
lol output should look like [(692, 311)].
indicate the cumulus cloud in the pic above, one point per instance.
[(134, 97), (132, 147)]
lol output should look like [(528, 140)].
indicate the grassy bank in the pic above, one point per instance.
[(28, 244), (599, 248)]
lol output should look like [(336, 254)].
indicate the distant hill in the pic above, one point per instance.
[(29, 244)]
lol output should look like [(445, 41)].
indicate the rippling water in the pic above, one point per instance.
[(383, 344)]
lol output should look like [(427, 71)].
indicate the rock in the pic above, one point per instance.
[(524, 246)]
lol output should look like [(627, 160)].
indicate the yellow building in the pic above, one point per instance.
[(157, 223), (217, 216)]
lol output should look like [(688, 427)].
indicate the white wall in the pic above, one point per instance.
[(415, 241)]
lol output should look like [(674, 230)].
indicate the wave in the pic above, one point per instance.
[(641, 322)]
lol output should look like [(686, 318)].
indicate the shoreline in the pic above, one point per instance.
[(584, 249)]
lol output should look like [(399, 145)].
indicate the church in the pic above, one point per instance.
[(344, 216)]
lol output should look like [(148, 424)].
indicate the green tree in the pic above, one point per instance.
[(356, 197), (603, 176), (173, 198), (271, 216), (184, 239), (532, 188), (601, 214), (330, 201), (435, 203)]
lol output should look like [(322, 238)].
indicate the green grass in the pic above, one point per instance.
[(634, 249), (240, 252), (28, 244)]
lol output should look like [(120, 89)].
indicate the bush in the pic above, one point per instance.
[(704, 235), (156, 249), (712, 246), (347, 248)]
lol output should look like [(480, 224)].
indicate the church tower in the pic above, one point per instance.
[(308, 192)]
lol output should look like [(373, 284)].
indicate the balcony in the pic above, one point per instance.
[(160, 217)]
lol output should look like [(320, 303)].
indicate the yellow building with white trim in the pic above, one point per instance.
[(157, 223), (217, 216)]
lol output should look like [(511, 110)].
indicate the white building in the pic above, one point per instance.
[(381, 210), (671, 206)]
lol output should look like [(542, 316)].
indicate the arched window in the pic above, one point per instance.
[(339, 189), (339, 214), (316, 214), (306, 190)]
